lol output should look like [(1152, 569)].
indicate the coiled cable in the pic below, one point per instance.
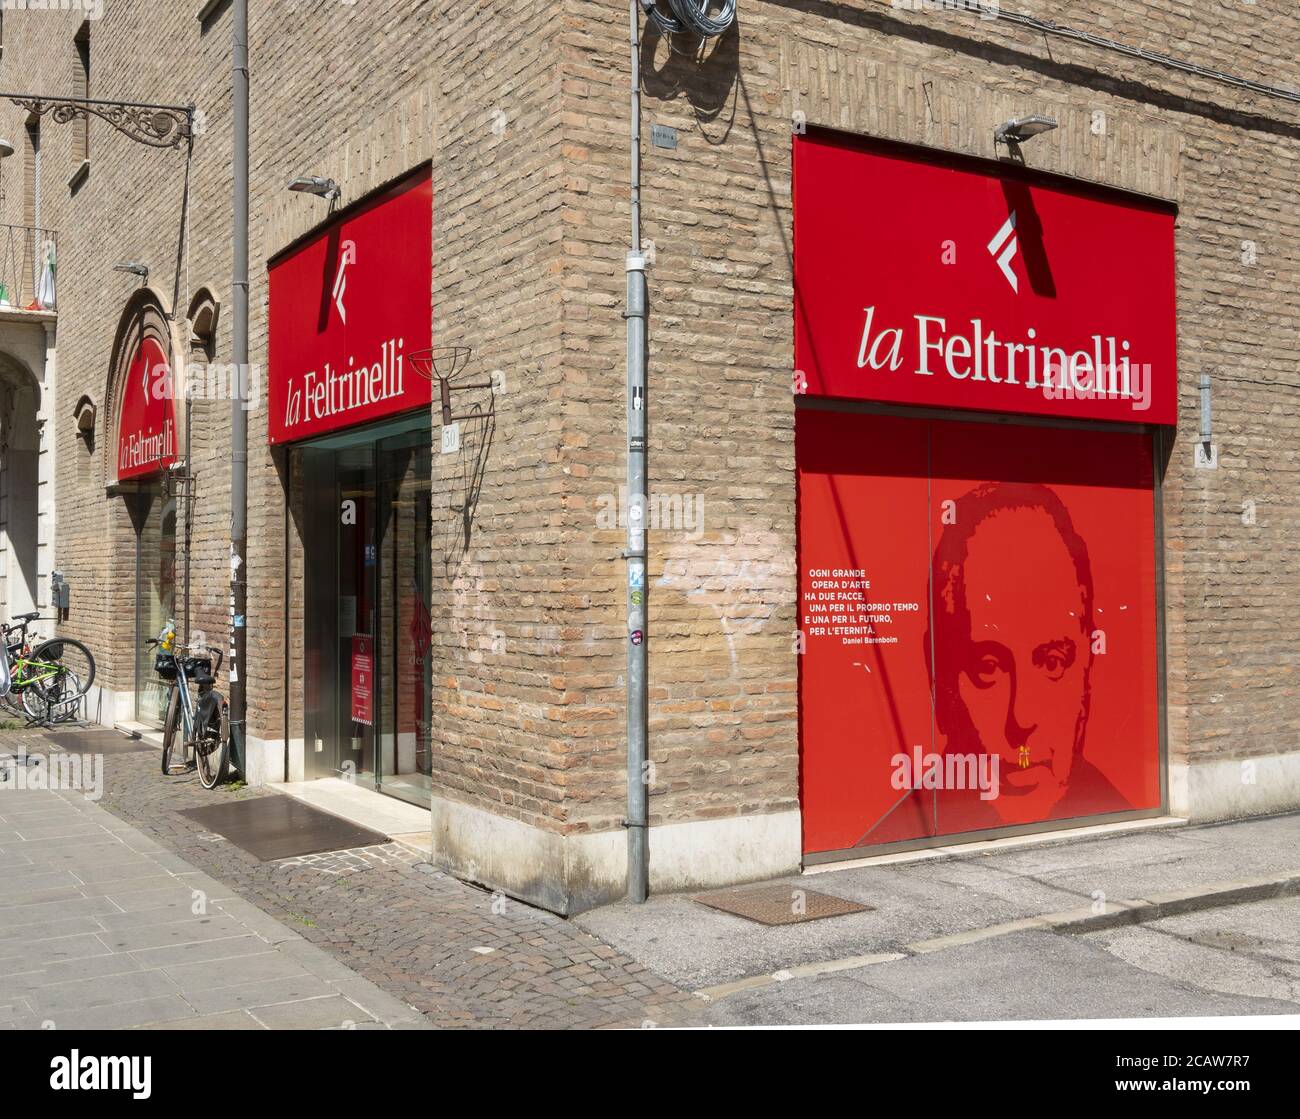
[(691, 15)]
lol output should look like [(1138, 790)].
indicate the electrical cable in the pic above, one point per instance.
[(1046, 27), (691, 15)]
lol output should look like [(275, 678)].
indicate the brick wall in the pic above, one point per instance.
[(336, 89), (717, 208), (522, 110)]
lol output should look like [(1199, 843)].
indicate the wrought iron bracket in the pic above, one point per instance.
[(158, 126), (444, 364)]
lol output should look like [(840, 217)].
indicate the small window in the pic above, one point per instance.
[(81, 88), (32, 174)]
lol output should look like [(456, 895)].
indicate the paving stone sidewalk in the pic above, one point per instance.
[(103, 928), (105, 878)]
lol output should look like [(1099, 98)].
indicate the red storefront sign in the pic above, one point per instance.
[(348, 308), (363, 679), (977, 601), (953, 283), (146, 424)]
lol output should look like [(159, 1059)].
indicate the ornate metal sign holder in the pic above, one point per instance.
[(158, 126)]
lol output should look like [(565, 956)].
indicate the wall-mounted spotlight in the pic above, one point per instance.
[(134, 267), (316, 184), (1023, 128)]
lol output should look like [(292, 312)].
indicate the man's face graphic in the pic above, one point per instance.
[(1023, 670)]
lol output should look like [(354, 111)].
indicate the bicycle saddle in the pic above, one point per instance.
[(27, 617)]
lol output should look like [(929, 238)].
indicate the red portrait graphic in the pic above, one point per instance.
[(977, 604)]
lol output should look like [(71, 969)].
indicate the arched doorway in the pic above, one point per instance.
[(144, 458)]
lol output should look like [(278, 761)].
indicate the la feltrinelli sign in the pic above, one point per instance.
[(347, 307), (955, 283)]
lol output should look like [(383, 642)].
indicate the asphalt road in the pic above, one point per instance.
[(1236, 960)]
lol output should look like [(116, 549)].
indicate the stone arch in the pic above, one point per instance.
[(203, 315), (146, 316)]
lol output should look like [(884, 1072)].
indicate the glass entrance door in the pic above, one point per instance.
[(363, 501), (339, 623), (403, 590), (155, 598)]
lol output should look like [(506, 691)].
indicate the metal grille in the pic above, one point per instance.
[(279, 827), (780, 905)]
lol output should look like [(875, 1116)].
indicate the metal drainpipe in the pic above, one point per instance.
[(238, 413), (187, 495), (288, 576), (638, 863)]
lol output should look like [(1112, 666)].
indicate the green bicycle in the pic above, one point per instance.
[(46, 683)]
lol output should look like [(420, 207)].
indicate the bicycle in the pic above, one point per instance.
[(203, 722), (46, 682)]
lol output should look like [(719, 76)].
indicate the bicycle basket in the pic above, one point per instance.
[(165, 665), (199, 669)]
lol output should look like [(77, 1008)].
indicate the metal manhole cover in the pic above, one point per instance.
[(780, 905), (279, 827)]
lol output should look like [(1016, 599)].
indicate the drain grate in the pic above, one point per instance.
[(279, 827), (96, 742), (780, 905)]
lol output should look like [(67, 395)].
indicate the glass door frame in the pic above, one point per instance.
[(408, 787), (144, 494), (373, 436)]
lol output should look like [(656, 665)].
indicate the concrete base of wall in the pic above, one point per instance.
[(108, 707), (266, 761), (1226, 789), (569, 874)]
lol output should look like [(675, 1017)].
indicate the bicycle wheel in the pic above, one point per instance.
[(171, 730), (62, 697), (17, 681), (213, 746), (66, 658), (14, 701), (34, 705)]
